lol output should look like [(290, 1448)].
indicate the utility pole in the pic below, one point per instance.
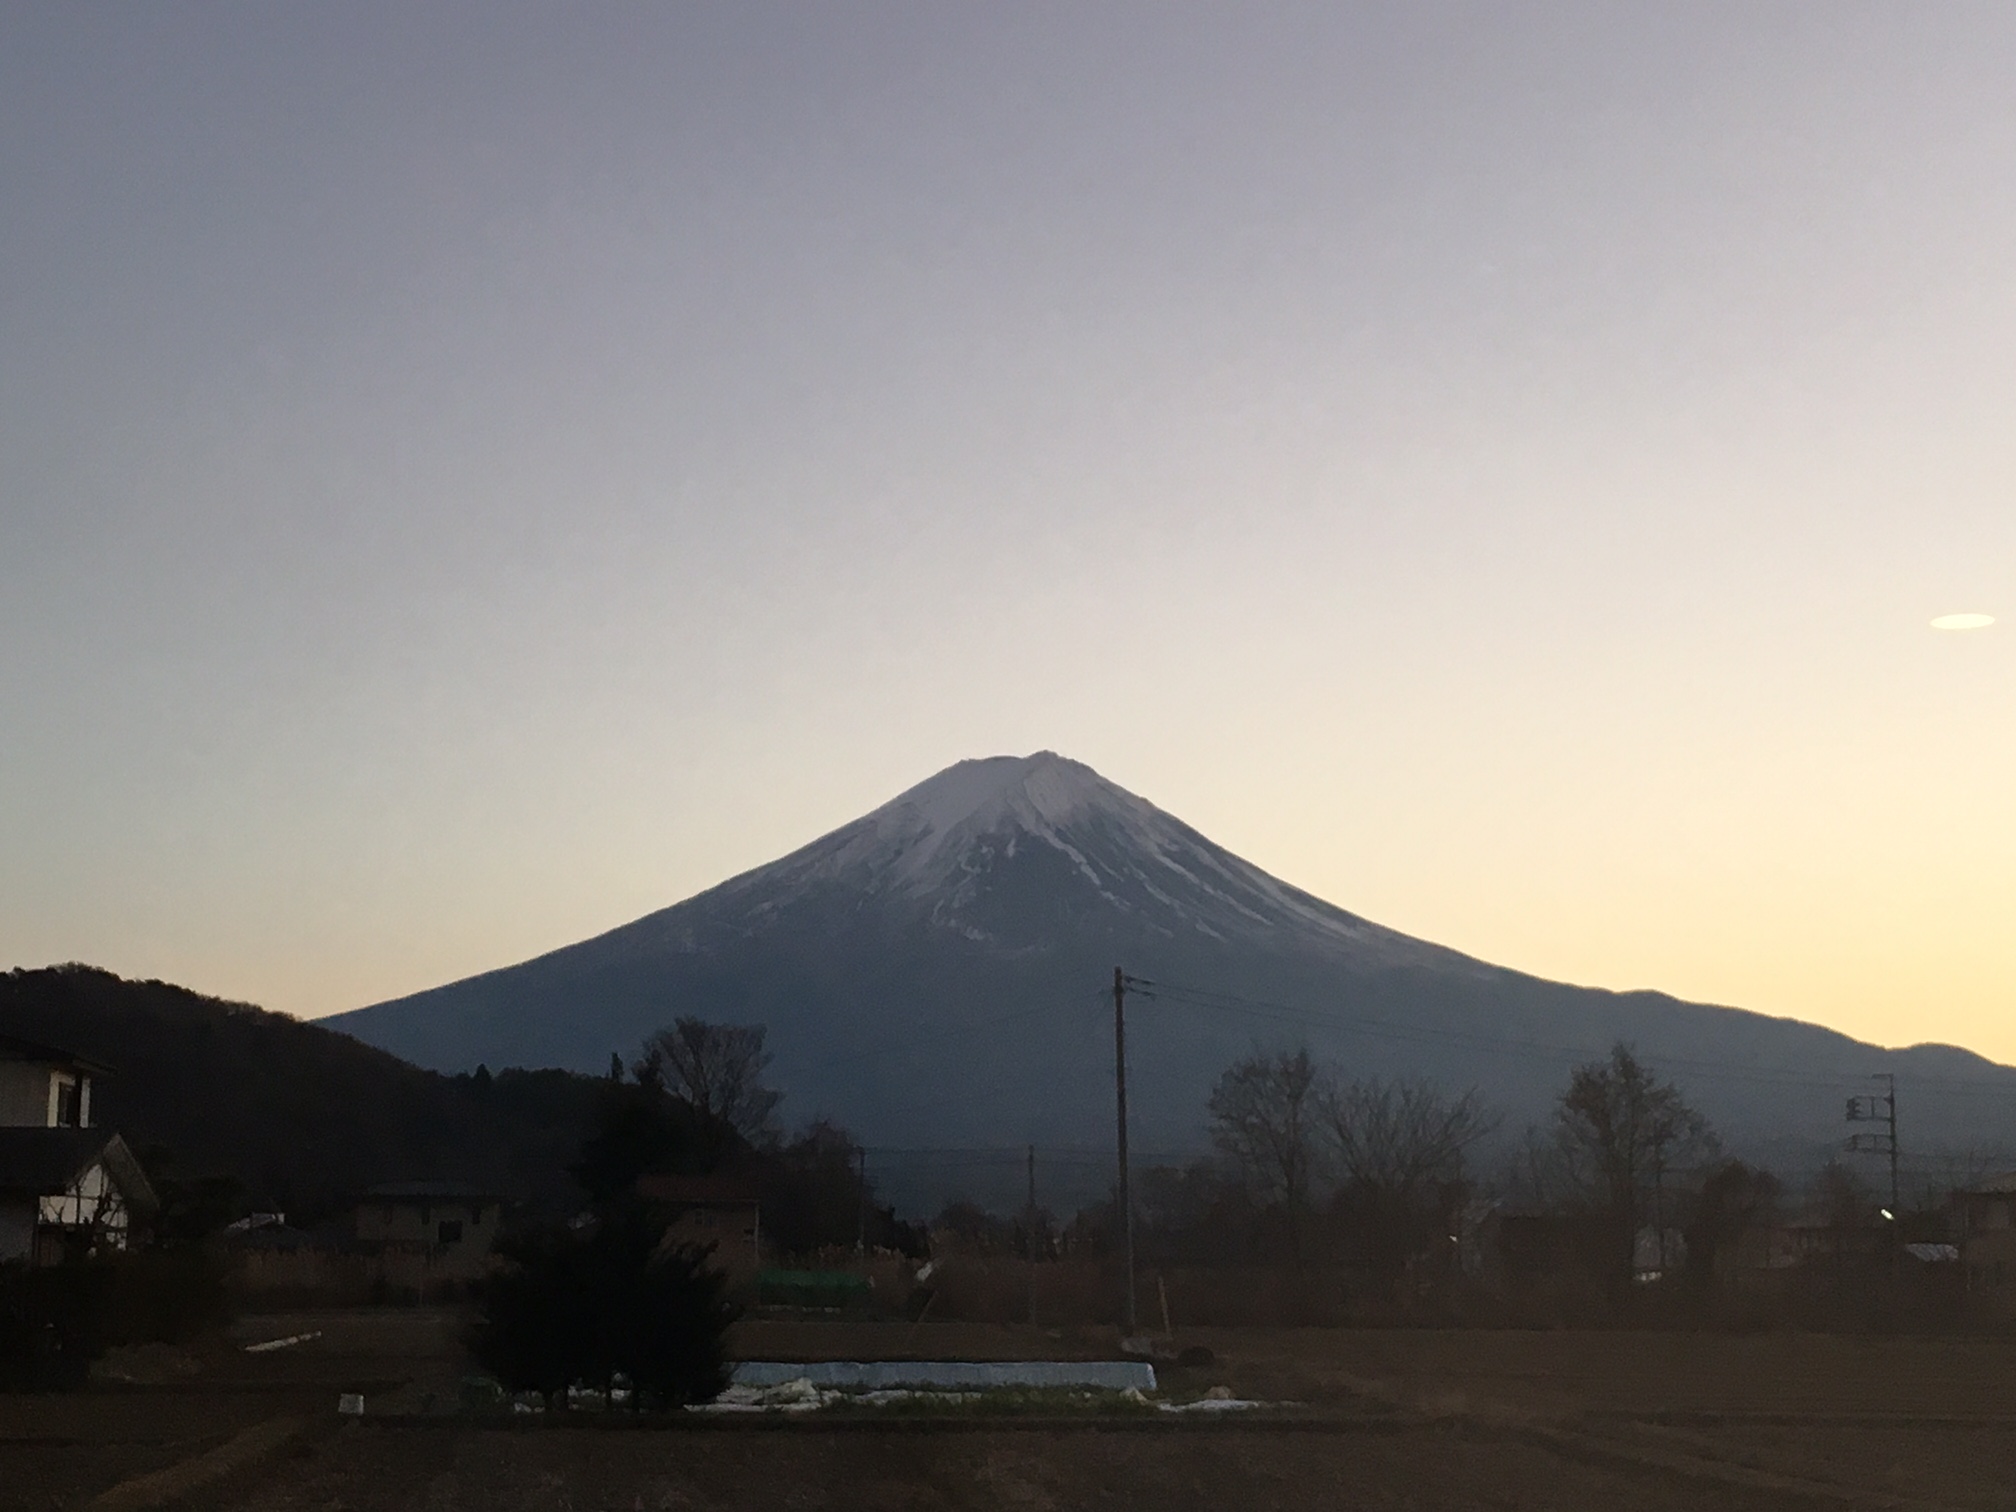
[(1127, 1322), (1879, 1109), (1890, 1106), (861, 1210), (1658, 1205), (1029, 1234)]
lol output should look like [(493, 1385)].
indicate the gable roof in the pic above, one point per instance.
[(44, 1162), (13, 1047)]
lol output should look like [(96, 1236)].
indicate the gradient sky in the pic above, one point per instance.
[(472, 474)]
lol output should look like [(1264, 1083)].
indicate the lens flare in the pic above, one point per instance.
[(1963, 622)]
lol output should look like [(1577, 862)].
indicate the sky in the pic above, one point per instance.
[(472, 474)]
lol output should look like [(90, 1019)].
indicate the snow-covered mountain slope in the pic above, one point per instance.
[(950, 852), (934, 973)]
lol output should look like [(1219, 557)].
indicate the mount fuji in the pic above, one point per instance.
[(937, 974)]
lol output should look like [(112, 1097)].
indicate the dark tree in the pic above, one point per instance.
[(1193, 1214), (535, 1329), (640, 1127), (1263, 1115), (1844, 1199), (1619, 1131), (974, 1229), (813, 1195), (586, 1306), (1399, 1148), (661, 1312), (1734, 1198), (718, 1069), (605, 1295)]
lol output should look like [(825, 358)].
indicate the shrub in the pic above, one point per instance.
[(609, 1300)]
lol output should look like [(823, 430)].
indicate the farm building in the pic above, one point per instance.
[(428, 1235), (1984, 1222), (721, 1212), (404, 1239)]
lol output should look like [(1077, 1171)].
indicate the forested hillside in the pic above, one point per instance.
[(300, 1116)]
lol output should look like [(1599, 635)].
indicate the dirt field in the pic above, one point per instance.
[(1572, 1372), (367, 1471), (1413, 1419), (60, 1451)]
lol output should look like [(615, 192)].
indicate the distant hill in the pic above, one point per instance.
[(303, 1117), (934, 974)]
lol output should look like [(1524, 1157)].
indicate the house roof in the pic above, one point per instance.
[(13, 1047), (432, 1191), (43, 1162), (698, 1191)]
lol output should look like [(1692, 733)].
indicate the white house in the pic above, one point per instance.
[(42, 1087), (68, 1193)]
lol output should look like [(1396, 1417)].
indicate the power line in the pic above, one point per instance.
[(1011, 1154), (950, 1029)]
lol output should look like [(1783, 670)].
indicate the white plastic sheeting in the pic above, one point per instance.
[(1214, 1404), (950, 1375)]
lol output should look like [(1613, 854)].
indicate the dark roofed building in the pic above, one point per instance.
[(1983, 1219)]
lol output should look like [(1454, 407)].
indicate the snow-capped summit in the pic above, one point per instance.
[(1040, 798), (1043, 789), (998, 849)]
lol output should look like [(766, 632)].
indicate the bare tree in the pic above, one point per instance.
[(1399, 1148), (718, 1069), (1263, 1119), (1401, 1135), (1620, 1130)]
